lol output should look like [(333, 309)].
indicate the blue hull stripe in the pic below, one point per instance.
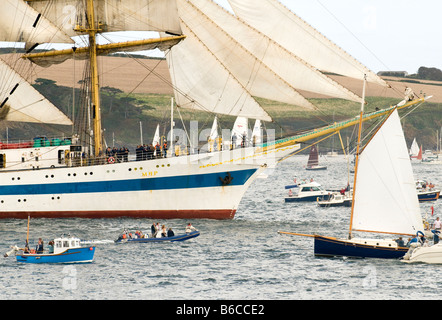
[(240, 177)]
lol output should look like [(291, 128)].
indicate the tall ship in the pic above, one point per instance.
[(219, 62)]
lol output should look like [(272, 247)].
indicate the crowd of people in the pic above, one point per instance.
[(117, 155), (156, 231), (149, 152)]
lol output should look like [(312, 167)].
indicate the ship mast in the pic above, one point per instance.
[(95, 89)]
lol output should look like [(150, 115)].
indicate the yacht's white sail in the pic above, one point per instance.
[(240, 131), (290, 31), (385, 195), (19, 101), (257, 133), (214, 131), (156, 137), (21, 23), (414, 150)]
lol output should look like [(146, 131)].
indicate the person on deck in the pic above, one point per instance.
[(39, 247), (190, 228)]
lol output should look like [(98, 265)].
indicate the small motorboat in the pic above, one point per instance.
[(65, 250), (428, 195), (426, 191), (336, 200), (61, 250), (431, 254), (309, 192), (123, 238)]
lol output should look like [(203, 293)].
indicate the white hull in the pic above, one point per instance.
[(197, 186), (431, 255)]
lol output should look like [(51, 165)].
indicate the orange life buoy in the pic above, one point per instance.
[(111, 160)]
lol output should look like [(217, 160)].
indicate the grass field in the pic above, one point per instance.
[(147, 82)]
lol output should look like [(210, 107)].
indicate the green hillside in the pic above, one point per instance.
[(122, 114)]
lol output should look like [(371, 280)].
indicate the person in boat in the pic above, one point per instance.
[(39, 247), (437, 225), (414, 240), (436, 234), (163, 231), (153, 230), (190, 228), (26, 248), (400, 242), (290, 193), (170, 233), (421, 238), (51, 246)]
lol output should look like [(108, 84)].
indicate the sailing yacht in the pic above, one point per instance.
[(313, 160), (385, 199), (218, 61)]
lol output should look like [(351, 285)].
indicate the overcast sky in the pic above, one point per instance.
[(382, 34)]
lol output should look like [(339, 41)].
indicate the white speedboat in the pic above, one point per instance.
[(431, 254), (336, 200), (309, 192)]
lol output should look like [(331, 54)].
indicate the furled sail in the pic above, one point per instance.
[(271, 67), (202, 82), (19, 101), (112, 15), (283, 26), (21, 23), (48, 58), (385, 195)]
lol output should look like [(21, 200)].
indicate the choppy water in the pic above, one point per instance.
[(240, 259)]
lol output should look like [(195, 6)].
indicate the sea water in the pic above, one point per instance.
[(244, 258)]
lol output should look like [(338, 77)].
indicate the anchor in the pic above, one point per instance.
[(226, 180)]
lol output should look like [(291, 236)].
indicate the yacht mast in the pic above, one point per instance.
[(357, 156)]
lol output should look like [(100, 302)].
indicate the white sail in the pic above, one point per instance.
[(156, 137), (19, 101), (214, 130), (268, 62), (21, 23), (202, 82), (113, 15), (240, 131), (414, 150), (257, 132), (283, 26), (385, 195), (249, 70)]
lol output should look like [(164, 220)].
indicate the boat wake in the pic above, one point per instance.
[(96, 241)]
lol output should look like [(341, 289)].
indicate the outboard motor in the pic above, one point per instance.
[(12, 251)]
